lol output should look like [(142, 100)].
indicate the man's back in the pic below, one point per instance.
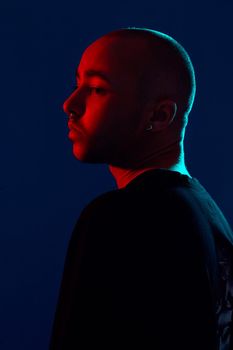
[(149, 265)]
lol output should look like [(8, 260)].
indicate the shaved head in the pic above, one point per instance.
[(165, 69)]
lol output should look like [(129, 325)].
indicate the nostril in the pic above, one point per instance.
[(72, 115)]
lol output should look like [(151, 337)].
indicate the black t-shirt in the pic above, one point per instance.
[(148, 266)]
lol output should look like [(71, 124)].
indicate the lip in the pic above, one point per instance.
[(73, 135), (72, 126)]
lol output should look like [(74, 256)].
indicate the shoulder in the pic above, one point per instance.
[(163, 211), (104, 202), (99, 213), (169, 205)]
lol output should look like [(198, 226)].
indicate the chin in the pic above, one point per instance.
[(86, 156), (79, 153)]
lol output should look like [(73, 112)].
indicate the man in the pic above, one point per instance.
[(149, 265)]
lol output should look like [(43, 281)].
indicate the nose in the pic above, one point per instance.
[(74, 105)]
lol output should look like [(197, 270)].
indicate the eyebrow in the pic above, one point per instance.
[(95, 73)]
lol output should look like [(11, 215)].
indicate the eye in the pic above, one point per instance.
[(96, 89)]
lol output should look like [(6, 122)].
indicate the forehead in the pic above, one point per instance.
[(121, 58)]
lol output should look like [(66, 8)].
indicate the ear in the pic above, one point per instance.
[(163, 115)]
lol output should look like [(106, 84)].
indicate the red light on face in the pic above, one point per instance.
[(73, 127), (74, 134)]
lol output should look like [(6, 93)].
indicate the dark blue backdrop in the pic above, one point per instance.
[(43, 187)]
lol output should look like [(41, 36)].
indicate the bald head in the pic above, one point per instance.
[(163, 67)]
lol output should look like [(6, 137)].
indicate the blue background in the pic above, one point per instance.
[(43, 187)]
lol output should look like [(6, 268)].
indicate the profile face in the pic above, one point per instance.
[(106, 104)]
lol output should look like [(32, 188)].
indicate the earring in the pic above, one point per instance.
[(150, 127)]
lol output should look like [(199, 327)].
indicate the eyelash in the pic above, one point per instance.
[(101, 90)]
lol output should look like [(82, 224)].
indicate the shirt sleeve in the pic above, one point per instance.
[(130, 281), (72, 297)]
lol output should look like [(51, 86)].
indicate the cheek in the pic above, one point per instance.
[(110, 119), (103, 115)]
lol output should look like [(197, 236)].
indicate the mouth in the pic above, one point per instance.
[(75, 132), (73, 127)]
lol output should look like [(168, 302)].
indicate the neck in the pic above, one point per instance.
[(171, 159)]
